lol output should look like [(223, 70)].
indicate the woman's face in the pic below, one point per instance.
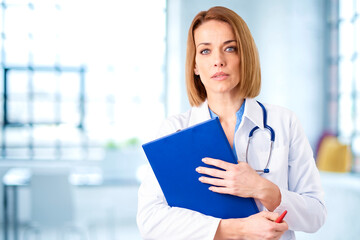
[(216, 60)]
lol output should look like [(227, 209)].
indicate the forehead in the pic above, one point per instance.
[(213, 31)]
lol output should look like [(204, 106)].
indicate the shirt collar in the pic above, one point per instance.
[(239, 113), (252, 111)]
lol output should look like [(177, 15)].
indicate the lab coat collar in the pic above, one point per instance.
[(199, 114), (253, 112)]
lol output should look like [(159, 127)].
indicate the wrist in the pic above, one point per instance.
[(261, 189), (230, 229), (268, 194)]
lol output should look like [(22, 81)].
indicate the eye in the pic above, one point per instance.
[(205, 51), (230, 49)]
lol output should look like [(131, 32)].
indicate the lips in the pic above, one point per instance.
[(220, 76)]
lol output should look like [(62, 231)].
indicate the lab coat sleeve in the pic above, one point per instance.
[(304, 197), (157, 220)]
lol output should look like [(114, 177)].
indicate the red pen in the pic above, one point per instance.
[(281, 217)]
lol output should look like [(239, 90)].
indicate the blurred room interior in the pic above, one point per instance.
[(84, 83)]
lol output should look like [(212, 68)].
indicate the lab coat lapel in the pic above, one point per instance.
[(253, 112), (199, 114), (252, 117)]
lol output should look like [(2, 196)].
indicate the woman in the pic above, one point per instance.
[(223, 77)]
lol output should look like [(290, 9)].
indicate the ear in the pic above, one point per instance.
[(196, 71)]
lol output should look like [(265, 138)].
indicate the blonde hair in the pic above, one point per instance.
[(250, 74)]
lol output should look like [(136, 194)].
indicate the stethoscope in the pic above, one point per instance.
[(272, 139)]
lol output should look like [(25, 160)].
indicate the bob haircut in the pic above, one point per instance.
[(250, 73)]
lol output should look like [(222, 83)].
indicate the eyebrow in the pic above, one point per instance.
[(207, 43)]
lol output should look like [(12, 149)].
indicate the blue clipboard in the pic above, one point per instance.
[(174, 159)]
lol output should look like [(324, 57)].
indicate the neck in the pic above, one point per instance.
[(225, 108)]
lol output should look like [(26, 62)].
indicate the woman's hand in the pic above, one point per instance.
[(239, 180), (257, 226), (235, 179)]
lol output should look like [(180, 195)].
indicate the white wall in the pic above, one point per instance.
[(290, 38)]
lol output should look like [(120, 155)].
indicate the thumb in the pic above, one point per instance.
[(270, 215)]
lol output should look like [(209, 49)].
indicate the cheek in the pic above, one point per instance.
[(236, 68), (201, 66), (236, 63), (197, 63)]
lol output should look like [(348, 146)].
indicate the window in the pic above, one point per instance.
[(76, 75), (344, 73)]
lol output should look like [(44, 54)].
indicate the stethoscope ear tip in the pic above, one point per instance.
[(266, 170)]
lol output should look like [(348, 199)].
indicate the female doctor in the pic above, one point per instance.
[(222, 78)]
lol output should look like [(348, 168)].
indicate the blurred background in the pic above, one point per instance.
[(84, 83)]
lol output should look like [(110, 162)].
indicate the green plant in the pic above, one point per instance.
[(111, 145), (131, 142)]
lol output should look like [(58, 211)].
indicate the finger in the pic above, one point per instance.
[(277, 235), (217, 163), (211, 172), (222, 190), (213, 181), (282, 227)]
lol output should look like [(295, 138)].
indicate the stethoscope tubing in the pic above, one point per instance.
[(272, 139)]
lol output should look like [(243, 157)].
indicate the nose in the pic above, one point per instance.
[(219, 60)]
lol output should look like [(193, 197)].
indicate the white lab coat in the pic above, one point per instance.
[(292, 169)]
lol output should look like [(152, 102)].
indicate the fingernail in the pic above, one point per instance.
[(197, 169), (200, 179), (210, 188), (204, 159)]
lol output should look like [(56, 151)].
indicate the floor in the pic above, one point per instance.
[(121, 231), (101, 213), (108, 212)]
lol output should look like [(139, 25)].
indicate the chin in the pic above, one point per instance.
[(226, 89)]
